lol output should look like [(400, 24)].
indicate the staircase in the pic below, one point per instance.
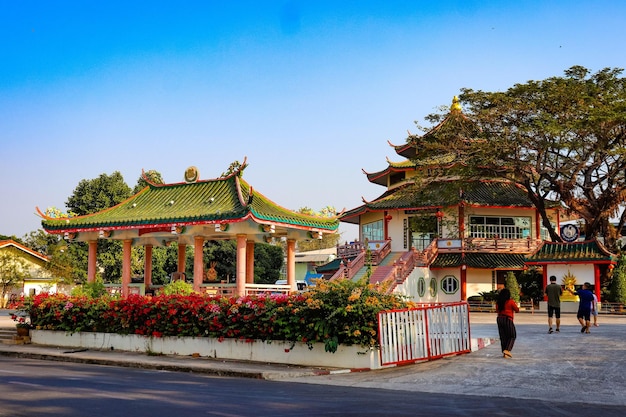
[(381, 271), (9, 336)]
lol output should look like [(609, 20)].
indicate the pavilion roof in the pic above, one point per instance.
[(444, 194), (226, 201), (562, 252)]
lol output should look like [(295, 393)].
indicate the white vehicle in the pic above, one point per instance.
[(302, 285)]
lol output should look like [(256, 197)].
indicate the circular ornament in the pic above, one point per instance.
[(191, 174)]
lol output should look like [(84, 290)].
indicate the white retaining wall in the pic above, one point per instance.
[(352, 357)]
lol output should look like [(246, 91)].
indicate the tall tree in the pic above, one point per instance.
[(13, 270), (328, 240), (562, 138), (91, 196)]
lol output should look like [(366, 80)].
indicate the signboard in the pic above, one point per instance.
[(570, 233)]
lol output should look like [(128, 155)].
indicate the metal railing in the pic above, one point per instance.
[(425, 333)]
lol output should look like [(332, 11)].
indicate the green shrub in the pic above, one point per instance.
[(178, 288), (90, 290), (334, 313), (617, 291), (511, 283)]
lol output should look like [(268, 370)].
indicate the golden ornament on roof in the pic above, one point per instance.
[(456, 105)]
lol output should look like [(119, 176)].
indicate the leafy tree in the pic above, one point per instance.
[(90, 290), (41, 242), (268, 261), (328, 240), (617, 289), (13, 270), (224, 252), (91, 196), (510, 282), (563, 139), (13, 238), (531, 284)]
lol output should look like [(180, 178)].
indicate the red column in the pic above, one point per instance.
[(91, 261), (241, 265), (126, 258), (198, 262), (250, 261), (596, 280), (463, 282), (147, 266), (291, 264)]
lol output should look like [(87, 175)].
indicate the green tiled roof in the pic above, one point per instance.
[(380, 177), (331, 266), (590, 250), (210, 201), (479, 260), (443, 194)]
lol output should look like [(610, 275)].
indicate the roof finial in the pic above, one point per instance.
[(456, 105)]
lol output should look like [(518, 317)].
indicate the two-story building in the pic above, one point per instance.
[(438, 237)]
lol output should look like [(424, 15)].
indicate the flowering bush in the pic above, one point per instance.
[(333, 313)]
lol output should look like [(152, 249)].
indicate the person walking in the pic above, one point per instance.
[(506, 309), (554, 292), (585, 297), (594, 310)]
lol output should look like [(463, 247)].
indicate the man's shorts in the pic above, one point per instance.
[(584, 314), (554, 311)]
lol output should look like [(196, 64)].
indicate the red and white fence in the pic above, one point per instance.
[(428, 332)]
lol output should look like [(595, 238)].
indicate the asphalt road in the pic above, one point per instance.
[(51, 389)]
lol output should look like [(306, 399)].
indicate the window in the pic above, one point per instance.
[(433, 287), (449, 284), (421, 286), (499, 227), (373, 231)]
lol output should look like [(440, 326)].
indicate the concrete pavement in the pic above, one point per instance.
[(559, 367)]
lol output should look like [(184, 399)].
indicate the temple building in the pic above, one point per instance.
[(435, 237), (190, 213)]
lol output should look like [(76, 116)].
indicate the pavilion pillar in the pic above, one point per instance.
[(596, 281), (241, 265), (182, 250), (250, 262), (91, 261), (147, 266), (126, 259), (198, 262), (291, 264)]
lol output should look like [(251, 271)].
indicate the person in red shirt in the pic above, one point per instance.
[(506, 309)]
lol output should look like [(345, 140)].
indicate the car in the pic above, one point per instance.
[(302, 285)]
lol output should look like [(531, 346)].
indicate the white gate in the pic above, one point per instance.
[(424, 333)]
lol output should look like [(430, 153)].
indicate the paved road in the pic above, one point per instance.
[(560, 369)]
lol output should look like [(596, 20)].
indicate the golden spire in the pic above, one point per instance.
[(456, 105)]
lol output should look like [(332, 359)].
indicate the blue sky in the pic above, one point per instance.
[(309, 91)]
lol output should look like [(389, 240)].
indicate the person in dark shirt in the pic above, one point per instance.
[(554, 291), (585, 297)]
